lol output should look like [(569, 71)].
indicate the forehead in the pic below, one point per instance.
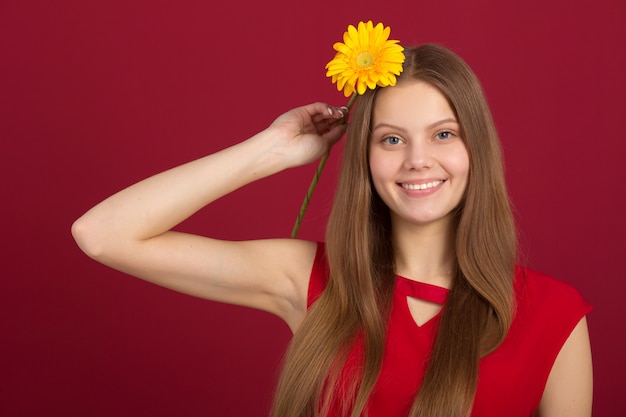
[(414, 103)]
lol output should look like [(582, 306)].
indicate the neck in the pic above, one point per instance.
[(425, 253)]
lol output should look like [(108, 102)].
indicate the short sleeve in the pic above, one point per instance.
[(558, 307), (513, 377)]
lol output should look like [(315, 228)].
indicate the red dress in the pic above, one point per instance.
[(511, 379)]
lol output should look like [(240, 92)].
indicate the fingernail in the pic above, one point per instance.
[(330, 111), (340, 112)]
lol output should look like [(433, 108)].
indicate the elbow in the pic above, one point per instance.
[(89, 236)]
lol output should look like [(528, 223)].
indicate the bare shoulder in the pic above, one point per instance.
[(569, 389)]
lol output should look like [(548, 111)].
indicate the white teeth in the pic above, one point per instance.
[(422, 186)]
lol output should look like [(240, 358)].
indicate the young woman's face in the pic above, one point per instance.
[(418, 161)]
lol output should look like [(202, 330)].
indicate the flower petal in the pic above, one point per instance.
[(384, 59)]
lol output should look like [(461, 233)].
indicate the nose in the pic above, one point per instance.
[(418, 156)]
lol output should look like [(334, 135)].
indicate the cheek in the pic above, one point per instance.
[(464, 168), (378, 173), (459, 162), (463, 171)]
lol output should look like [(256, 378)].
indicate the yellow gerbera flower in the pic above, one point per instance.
[(365, 59)]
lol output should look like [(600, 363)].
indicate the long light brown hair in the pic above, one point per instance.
[(357, 299)]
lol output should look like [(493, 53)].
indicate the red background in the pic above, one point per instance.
[(97, 95)]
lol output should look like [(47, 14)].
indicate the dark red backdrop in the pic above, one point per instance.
[(96, 95)]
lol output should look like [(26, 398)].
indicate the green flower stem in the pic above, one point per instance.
[(316, 177)]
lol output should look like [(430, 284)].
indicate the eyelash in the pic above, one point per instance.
[(388, 138), (448, 135), (446, 132)]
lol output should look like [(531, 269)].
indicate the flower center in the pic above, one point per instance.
[(364, 59)]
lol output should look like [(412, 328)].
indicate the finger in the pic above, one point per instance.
[(329, 113), (340, 112), (326, 125), (335, 133)]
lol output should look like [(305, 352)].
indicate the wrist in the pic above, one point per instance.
[(263, 154)]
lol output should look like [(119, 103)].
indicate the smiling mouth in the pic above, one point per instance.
[(425, 186)]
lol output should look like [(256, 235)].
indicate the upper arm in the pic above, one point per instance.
[(569, 388), (270, 275)]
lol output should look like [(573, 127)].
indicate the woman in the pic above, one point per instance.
[(421, 219)]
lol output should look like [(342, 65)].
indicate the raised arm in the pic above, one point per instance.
[(131, 230)]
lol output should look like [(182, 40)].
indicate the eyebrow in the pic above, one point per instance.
[(430, 126), (444, 121)]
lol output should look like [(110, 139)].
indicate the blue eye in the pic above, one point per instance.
[(444, 135), (392, 140)]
